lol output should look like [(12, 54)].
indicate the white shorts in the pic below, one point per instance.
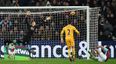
[(101, 57), (11, 52)]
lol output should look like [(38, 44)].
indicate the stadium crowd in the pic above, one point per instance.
[(107, 19)]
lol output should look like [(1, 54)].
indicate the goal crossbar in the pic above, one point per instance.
[(45, 7)]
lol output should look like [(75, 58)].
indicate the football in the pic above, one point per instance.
[(28, 13), (72, 13)]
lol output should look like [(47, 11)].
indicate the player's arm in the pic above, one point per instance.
[(100, 47), (104, 48), (61, 35), (78, 33), (25, 20)]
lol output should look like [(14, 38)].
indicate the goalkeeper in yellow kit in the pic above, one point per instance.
[(69, 38)]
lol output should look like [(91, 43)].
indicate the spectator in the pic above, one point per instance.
[(54, 3), (6, 23), (65, 3), (107, 28), (5, 2), (24, 2), (110, 17), (15, 3), (32, 3), (76, 3), (41, 32)]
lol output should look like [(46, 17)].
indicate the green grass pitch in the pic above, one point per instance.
[(53, 61)]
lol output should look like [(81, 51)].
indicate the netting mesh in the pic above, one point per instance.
[(94, 15), (49, 22), (14, 26)]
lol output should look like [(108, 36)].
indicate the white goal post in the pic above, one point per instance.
[(90, 15)]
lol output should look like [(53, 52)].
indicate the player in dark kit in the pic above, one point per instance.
[(30, 31), (31, 27)]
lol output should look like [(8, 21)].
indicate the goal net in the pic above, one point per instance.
[(49, 21)]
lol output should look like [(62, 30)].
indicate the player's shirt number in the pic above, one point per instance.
[(68, 31)]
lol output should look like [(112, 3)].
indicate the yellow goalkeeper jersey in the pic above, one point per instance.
[(69, 31)]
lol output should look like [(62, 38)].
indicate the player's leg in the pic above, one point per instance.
[(93, 55), (73, 49), (69, 49), (101, 56), (9, 54), (69, 53), (26, 43), (14, 54), (2, 55), (100, 62), (100, 59), (73, 54), (97, 53)]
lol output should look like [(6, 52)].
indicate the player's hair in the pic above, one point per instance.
[(108, 47), (69, 21)]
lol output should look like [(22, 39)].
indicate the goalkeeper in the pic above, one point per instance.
[(31, 28), (69, 38)]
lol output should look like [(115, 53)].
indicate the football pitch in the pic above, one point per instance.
[(54, 61)]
